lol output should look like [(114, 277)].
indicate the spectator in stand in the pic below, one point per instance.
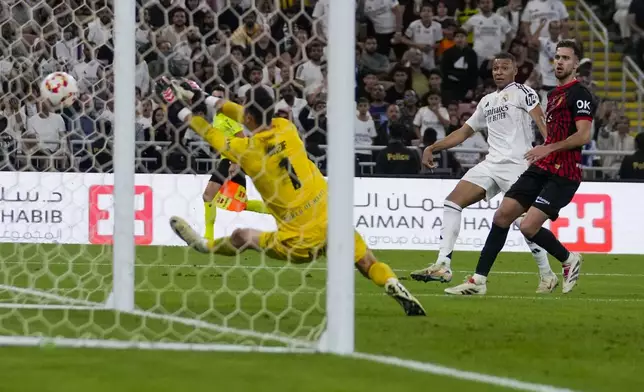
[(48, 128), (618, 140), (402, 83), (386, 20), (321, 19), (425, 34), (466, 9), (310, 72), (372, 60), (365, 132), (255, 79), (247, 32), (378, 107), (409, 108), (459, 67), (409, 136), (176, 32), (621, 18), (525, 67), (291, 103), (538, 12), (449, 28), (547, 48), (632, 167), (636, 22), (432, 115), (492, 32), (512, 12), (99, 31), (413, 59), (442, 15), (396, 158)]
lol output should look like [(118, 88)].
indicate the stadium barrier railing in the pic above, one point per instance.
[(631, 72), (598, 35)]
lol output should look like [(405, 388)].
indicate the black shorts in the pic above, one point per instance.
[(543, 190), (221, 174)]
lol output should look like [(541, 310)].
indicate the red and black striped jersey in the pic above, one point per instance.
[(566, 104)]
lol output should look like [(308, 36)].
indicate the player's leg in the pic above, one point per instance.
[(258, 206), (382, 275), (506, 175), (210, 210), (476, 185), (212, 188), (557, 193), (516, 201)]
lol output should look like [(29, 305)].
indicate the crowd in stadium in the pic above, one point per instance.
[(420, 69)]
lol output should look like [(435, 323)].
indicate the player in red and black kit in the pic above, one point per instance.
[(552, 179)]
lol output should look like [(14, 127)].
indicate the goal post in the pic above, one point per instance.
[(89, 258), (124, 152), (341, 112)]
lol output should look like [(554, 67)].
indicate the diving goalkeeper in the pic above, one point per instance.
[(292, 187)]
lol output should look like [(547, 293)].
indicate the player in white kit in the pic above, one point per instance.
[(507, 114)]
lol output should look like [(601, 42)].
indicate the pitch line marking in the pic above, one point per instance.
[(287, 267)]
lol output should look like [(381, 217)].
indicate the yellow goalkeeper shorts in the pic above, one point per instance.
[(301, 247)]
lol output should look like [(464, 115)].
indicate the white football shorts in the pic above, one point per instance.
[(495, 177)]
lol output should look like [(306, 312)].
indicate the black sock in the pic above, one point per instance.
[(493, 245), (545, 239)]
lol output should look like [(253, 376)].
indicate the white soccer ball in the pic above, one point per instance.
[(60, 89)]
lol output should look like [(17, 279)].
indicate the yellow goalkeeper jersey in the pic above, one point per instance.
[(227, 125), (292, 186)]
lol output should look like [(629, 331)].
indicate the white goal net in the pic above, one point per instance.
[(59, 283)]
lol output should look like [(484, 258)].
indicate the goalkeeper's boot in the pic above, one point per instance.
[(189, 235), (397, 291), (547, 283), (437, 272), (470, 287), (571, 269)]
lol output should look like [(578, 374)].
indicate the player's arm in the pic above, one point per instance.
[(452, 140), (529, 101), (179, 114), (540, 119)]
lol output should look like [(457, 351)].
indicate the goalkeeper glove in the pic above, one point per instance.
[(168, 94), (190, 90)]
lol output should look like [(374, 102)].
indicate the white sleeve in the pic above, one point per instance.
[(409, 33), (527, 98), (477, 120), (372, 128), (419, 116), (438, 35), (506, 27), (443, 112), (543, 41)]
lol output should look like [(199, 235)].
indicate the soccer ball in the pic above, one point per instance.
[(59, 89)]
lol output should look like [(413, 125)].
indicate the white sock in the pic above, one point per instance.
[(449, 231), (479, 279), (541, 257)]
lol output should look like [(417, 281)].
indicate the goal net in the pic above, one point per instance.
[(67, 270)]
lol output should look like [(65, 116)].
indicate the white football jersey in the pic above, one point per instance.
[(546, 61), (548, 10), (419, 34), (381, 14), (489, 33), (505, 114)]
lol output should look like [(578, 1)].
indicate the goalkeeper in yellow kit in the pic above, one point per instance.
[(226, 188), (294, 190)]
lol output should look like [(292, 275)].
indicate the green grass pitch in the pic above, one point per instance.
[(590, 340)]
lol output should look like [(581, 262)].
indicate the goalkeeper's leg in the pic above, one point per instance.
[(210, 210), (382, 275)]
